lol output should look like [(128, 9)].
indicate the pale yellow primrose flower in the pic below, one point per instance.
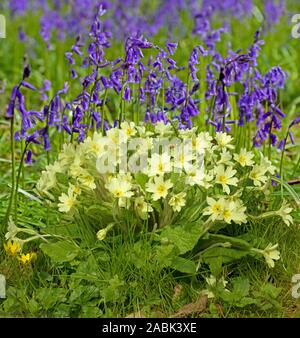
[(271, 254), (225, 158), (116, 136), (68, 153), (87, 181), (202, 142), (195, 176), (158, 187), (257, 175), (48, 178), (76, 168), (46, 182), (266, 164), (75, 188), (124, 202), (225, 177), (159, 164), (223, 140), (284, 213), (234, 211), (94, 145), (142, 207), (128, 128), (214, 209), (67, 201), (183, 160), (225, 210), (178, 201), (119, 188), (163, 129), (244, 158)]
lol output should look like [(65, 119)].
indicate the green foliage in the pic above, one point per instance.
[(61, 251)]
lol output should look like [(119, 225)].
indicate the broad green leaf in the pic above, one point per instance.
[(49, 297), (90, 312), (183, 265), (228, 254), (165, 254), (184, 238), (62, 251), (241, 286), (215, 265)]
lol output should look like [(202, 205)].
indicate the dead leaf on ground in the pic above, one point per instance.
[(191, 308), (177, 293)]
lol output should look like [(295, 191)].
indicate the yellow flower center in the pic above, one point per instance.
[(160, 166), (161, 189), (227, 214), (70, 202), (216, 208), (119, 193), (242, 159), (223, 179), (129, 131)]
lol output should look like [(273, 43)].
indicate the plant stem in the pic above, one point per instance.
[(102, 112), (18, 181), (13, 167)]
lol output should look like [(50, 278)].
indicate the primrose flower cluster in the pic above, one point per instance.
[(225, 177)]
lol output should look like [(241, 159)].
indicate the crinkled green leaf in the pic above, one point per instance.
[(184, 238), (228, 254), (49, 297), (183, 265), (62, 251), (241, 286)]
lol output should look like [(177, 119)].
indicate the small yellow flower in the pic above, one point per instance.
[(159, 188), (224, 140), (88, 181), (244, 158), (178, 201), (142, 207), (119, 187), (225, 177), (214, 208), (12, 247), (67, 201), (284, 213), (271, 254), (128, 128), (27, 258)]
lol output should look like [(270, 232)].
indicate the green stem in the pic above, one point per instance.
[(102, 112), (18, 181), (282, 153), (13, 167)]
